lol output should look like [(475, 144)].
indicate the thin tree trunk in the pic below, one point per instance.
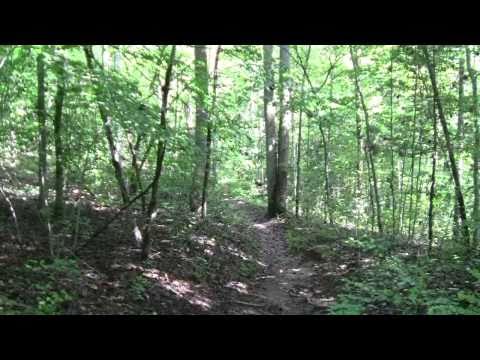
[(58, 135), (459, 135), (161, 147), (451, 154), (270, 129), (412, 225), (476, 153), (432, 185), (299, 140), (137, 177), (210, 135), (369, 142), (201, 120), (42, 129), (402, 199), (326, 174), (107, 124), (412, 166), (358, 165), (392, 159)]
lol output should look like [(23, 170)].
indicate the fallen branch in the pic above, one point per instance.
[(109, 222)]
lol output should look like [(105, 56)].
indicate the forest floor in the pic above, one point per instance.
[(289, 284), (236, 262)]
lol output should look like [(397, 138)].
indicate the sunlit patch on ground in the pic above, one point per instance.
[(181, 288), (206, 242), (203, 240), (238, 286)]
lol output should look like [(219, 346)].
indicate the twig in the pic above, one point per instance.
[(107, 224)]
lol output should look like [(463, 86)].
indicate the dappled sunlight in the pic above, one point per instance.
[(183, 289), (208, 243), (238, 286)]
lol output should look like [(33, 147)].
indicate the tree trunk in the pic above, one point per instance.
[(392, 159), (201, 120), (42, 129), (284, 124), (369, 142), (412, 164), (270, 129), (358, 166), (210, 135), (326, 174), (136, 175), (459, 135), (432, 185), (299, 140), (476, 154), (161, 147), (58, 130), (451, 155), (107, 124)]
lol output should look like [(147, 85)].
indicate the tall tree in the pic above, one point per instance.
[(201, 120), (270, 128), (460, 132), (476, 151), (392, 156), (430, 62), (42, 129), (284, 124), (210, 133), (433, 179), (58, 136), (161, 147), (298, 186), (369, 145), (115, 154)]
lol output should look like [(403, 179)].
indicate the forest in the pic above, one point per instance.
[(239, 180)]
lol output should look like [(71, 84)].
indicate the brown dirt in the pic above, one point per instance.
[(289, 284)]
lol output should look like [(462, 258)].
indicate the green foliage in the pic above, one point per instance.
[(139, 286), (54, 268), (399, 287), (50, 298), (346, 308), (51, 302), (248, 269)]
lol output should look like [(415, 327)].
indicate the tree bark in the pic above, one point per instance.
[(284, 124), (299, 140), (392, 158), (412, 164), (451, 155), (58, 135), (432, 184), (369, 142), (270, 129), (460, 134), (107, 125), (201, 120), (161, 147), (210, 134), (42, 129), (476, 153)]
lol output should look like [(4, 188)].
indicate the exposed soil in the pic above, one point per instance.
[(195, 268), (289, 284)]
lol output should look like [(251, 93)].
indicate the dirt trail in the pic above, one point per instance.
[(289, 285)]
